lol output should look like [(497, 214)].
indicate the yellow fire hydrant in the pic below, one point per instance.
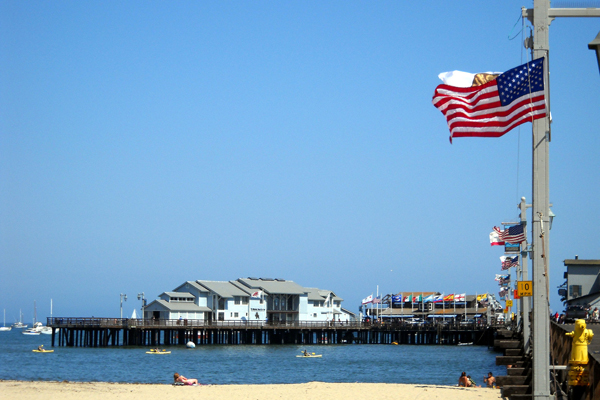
[(578, 369)]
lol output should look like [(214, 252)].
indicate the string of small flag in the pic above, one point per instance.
[(514, 235)]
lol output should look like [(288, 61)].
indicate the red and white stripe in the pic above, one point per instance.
[(477, 111)]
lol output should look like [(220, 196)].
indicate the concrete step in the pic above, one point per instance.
[(505, 333), (513, 352), (513, 380), (509, 391), (509, 360), (516, 371), (507, 344), (526, 396)]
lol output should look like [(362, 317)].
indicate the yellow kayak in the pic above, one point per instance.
[(158, 352), (43, 351)]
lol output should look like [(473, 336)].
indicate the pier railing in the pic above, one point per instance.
[(129, 323)]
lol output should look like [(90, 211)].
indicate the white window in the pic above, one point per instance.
[(315, 315), (236, 299), (245, 300), (235, 315)]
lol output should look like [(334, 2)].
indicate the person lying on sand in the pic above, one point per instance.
[(182, 379), (463, 380)]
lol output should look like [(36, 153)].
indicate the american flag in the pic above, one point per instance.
[(508, 262), (514, 234), (496, 107), (503, 292), (503, 280)]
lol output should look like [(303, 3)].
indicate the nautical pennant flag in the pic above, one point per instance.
[(508, 262), (495, 107), (481, 297), (514, 234)]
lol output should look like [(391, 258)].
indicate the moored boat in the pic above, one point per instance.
[(5, 328), (20, 324)]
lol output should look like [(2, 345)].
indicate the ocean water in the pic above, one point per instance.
[(245, 364)]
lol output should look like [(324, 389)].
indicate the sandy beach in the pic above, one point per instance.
[(23, 390)]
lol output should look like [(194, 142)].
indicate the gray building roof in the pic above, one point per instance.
[(325, 293), (318, 294), (223, 289), (273, 286), (180, 294), (349, 312), (582, 263), (314, 295), (177, 306), (193, 284)]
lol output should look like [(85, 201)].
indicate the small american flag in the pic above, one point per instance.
[(514, 234), (508, 262), (496, 107)]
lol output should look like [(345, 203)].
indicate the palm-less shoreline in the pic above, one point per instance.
[(28, 390)]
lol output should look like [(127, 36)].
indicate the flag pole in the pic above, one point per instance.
[(377, 304), (402, 304)]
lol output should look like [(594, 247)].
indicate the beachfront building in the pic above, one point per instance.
[(249, 299)]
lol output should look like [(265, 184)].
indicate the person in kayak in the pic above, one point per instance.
[(306, 353)]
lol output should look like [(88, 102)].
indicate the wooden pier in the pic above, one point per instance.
[(104, 332)]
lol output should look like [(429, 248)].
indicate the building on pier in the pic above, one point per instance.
[(250, 300), (582, 286), (467, 308)]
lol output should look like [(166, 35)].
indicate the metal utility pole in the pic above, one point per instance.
[(541, 16), (524, 276), (142, 297), (123, 297)]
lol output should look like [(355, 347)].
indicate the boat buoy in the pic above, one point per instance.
[(190, 345)]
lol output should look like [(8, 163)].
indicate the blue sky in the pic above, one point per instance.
[(146, 144)]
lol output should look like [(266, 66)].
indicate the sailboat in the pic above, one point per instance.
[(46, 330), (36, 329), (5, 328), (20, 324)]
